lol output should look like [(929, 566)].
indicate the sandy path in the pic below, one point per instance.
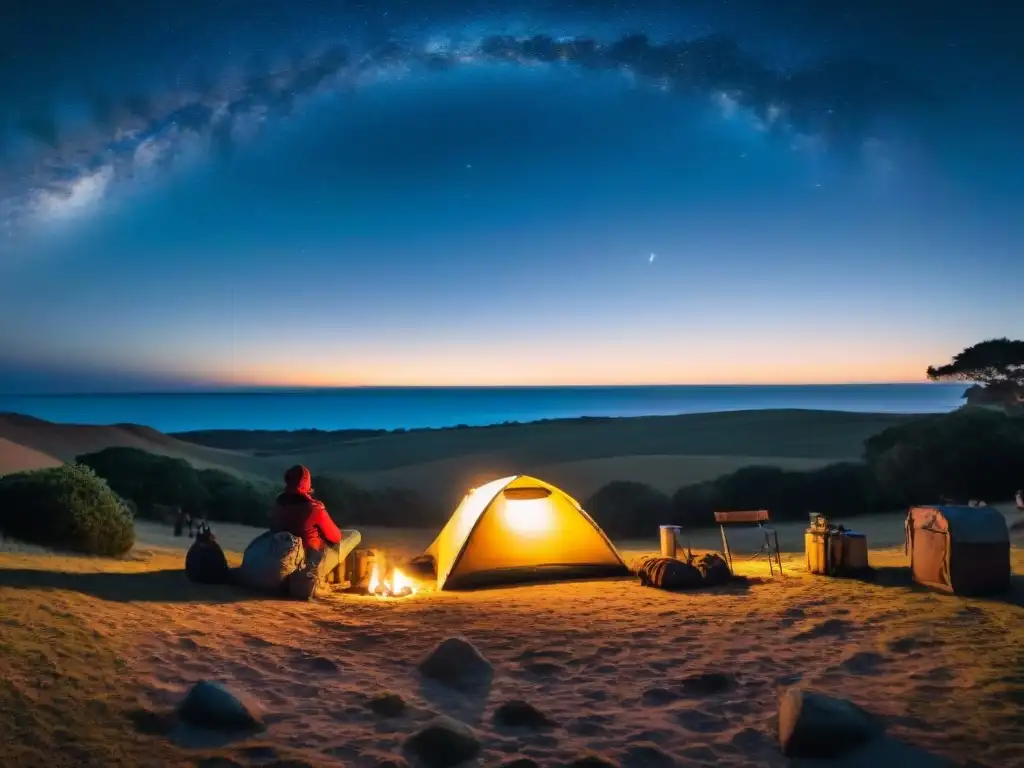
[(615, 664)]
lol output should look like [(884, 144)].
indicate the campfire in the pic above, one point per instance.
[(396, 584)]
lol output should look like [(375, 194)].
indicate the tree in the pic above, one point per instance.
[(996, 363)]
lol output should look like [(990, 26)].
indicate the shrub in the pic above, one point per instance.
[(839, 490), (965, 454), (625, 508), (231, 500), (349, 504), (66, 507), (148, 479), (153, 482)]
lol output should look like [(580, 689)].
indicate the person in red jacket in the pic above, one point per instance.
[(298, 513)]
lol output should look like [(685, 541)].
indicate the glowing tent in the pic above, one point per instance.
[(520, 529)]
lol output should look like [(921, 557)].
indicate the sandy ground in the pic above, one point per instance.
[(95, 651)]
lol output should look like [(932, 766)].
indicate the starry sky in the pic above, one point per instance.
[(320, 193)]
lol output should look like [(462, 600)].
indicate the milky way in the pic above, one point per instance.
[(836, 102)]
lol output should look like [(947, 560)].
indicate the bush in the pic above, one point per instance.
[(231, 500), (839, 490), (625, 508), (149, 480), (965, 454), (66, 507), (152, 483), (349, 504)]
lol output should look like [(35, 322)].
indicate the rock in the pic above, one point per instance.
[(211, 705), (457, 663), (390, 761), (814, 725), (387, 705), (714, 570), (521, 714), (443, 742), (668, 573), (520, 762)]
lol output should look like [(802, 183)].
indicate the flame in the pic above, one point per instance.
[(398, 584), (401, 582)]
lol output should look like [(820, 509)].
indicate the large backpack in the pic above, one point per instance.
[(269, 560), (205, 562)]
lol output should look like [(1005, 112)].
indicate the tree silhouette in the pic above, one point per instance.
[(997, 363)]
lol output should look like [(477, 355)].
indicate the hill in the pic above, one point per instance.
[(578, 454), (28, 443)]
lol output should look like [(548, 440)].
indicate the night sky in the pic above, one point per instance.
[(322, 193)]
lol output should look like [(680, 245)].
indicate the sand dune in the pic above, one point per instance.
[(18, 458), (42, 444), (639, 677)]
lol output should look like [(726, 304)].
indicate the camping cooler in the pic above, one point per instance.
[(829, 552)]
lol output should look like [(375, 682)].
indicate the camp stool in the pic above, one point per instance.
[(770, 545)]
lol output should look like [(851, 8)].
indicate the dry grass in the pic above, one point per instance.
[(94, 652)]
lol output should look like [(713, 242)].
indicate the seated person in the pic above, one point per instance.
[(298, 513)]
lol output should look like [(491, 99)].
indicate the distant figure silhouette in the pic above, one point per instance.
[(1020, 501), (298, 513)]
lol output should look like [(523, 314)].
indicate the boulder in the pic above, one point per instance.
[(814, 725), (212, 706), (457, 663), (443, 742)]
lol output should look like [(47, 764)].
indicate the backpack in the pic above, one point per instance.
[(205, 562), (269, 560)]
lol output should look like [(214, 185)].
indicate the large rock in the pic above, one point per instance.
[(814, 725), (210, 705), (443, 742), (457, 663)]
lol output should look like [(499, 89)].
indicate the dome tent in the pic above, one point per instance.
[(520, 529)]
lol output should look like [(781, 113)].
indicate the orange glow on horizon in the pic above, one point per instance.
[(452, 373)]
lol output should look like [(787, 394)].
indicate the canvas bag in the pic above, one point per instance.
[(205, 562), (270, 559)]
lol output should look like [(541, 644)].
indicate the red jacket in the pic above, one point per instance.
[(306, 518)]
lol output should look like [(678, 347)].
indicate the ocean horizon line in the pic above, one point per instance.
[(207, 392)]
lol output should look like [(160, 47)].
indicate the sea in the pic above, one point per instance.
[(415, 408)]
